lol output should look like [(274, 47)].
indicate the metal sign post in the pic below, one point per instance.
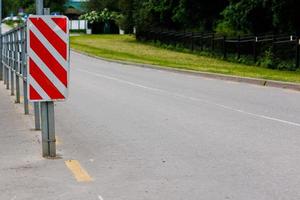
[(37, 107), (46, 11), (48, 129), (48, 70), (43, 107), (1, 65), (39, 7)]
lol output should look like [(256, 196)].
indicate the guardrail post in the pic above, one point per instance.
[(37, 116), (1, 44), (4, 58), (17, 65), (1, 57), (24, 69), (12, 65), (9, 61)]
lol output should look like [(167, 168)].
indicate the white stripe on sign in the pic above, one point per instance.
[(38, 88), (48, 58), (57, 83), (49, 46), (56, 28)]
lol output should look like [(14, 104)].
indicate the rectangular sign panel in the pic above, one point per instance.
[(48, 58)]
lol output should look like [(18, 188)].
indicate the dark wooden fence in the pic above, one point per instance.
[(280, 48)]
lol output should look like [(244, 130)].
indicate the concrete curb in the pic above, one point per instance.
[(254, 81)]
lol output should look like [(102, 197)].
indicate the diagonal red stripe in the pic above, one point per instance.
[(33, 95), (51, 36), (61, 22), (43, 81), (48, 59)]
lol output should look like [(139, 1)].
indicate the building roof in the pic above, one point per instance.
[(76, 4)]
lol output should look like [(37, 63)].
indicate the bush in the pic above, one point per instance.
[(268, 59)]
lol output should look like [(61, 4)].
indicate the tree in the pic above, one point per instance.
[(10, 6), (99, 5), (55, 5), (259, 16), (286, 15), (126, 20), (179, 14)]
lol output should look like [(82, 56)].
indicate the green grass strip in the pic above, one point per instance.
[(126, 48)]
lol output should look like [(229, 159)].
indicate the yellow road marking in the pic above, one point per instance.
[(58, 140), (79, 173)]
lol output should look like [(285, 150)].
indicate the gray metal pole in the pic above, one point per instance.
[(39, 7), (1, 51), (37, 116), (24, 70), (48, 129), (12, 66), (17, 65), (39, 11), (7, 70), (47, 113)]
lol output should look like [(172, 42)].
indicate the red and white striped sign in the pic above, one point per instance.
[(48, 58)]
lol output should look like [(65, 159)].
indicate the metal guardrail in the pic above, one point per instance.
[(14, 71), (14, 68), (14, 63)]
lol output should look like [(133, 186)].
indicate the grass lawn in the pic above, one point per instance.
[(126, 48)]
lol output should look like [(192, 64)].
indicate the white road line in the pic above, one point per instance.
[(100, 198), (192, 98)]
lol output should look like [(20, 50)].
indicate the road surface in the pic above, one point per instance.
[(146, 134)]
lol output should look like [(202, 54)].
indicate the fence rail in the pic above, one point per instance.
[(14, 64), (14, 68), (283, 47)]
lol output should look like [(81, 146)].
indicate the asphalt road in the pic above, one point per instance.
[(156, 135), (135, 133)]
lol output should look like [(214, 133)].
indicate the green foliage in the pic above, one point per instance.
[(99, 5), (268, 59), (12, 6), (55, 5), (103, 16), (126, 19), (92, 17), (259, 16), (231, 17)]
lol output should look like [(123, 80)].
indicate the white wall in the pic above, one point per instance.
[(78, 25)]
